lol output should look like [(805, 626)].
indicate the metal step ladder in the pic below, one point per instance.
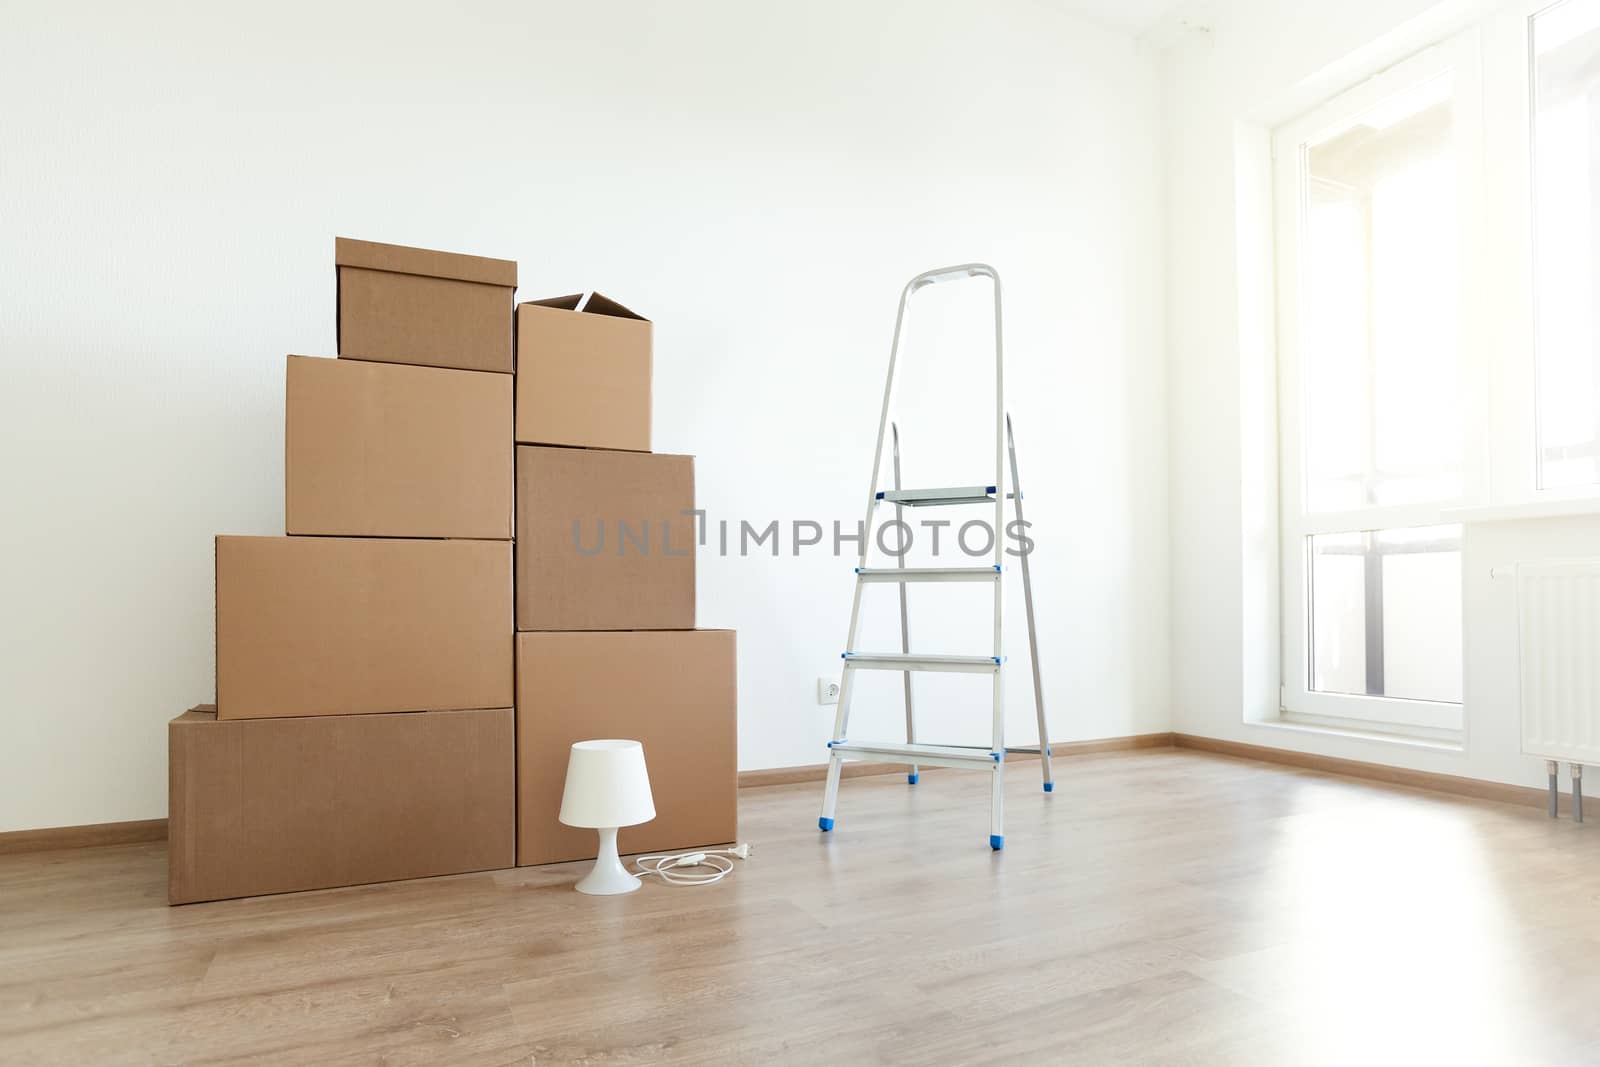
[(913, 752)]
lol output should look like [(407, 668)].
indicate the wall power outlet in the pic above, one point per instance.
[(827, 691)]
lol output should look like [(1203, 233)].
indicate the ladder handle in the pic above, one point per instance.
[(951, 274)]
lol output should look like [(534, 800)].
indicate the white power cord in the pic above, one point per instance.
[(677, 869)]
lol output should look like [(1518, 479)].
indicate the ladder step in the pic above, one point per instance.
[(931, 755), (962, 494), (901, 661), (928, 574)]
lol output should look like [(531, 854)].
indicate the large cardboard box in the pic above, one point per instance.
[(277, 805), (337, 626), (674, 692), (385, 450), (413, 305), (605, 540), (583, 374)]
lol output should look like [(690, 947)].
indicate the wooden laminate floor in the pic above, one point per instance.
[(1160, 907)]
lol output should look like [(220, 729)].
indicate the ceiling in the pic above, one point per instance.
[(1133, 17)]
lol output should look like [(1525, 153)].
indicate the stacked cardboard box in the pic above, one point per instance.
[(607, 645), (363, 729), (367, 664)]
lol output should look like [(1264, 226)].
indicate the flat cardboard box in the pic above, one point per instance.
[(605, 540), (413, 305), (674, 692), (386, 450), (344, 626), (583, 374), (278, 805)]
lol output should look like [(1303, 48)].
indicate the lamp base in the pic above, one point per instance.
[(608, 877)]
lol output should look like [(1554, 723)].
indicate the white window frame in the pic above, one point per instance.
[(1508, 71), (1460, 55)]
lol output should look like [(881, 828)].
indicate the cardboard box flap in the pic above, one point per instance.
[(398, 259), (561, 303), (595, 305)]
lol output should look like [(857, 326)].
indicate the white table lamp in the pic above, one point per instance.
[(607, 787)]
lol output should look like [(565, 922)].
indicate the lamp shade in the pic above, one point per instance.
[(607, 785)]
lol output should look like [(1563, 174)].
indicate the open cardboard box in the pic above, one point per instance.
[(583, 374)]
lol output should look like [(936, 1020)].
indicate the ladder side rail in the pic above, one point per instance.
[(1027, 601), (998, 739), (883, 426), (841, 718), (841, 715), (905, 623)]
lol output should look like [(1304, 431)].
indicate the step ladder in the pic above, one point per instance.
[(912, 752)]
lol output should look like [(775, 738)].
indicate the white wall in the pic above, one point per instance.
[(1258, 63), (760, 180)]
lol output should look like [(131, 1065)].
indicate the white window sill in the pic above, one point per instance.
[(1392, 736), (1555, 508)]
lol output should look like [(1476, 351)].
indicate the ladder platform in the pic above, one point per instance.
[(929, 755), (919, 498), (901, 661), (928, 574)]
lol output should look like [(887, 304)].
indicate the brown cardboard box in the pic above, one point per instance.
[(336, 625), (277, 805), (384, 450), (412, 305), (675, 692), (583, 376), (605, 540)]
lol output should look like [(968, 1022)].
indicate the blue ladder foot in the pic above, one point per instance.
[(825, 824), (997, 842), (1049, 787), (911, 779)]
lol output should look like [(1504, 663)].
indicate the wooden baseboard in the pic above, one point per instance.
[(816, 772), (123, 833), (105, 833), (1453, 784), (1109, 744)]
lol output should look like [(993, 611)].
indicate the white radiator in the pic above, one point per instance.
[(1558, 638)]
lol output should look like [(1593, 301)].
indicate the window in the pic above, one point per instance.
[(1565, 93), (1438, 265), (1374, 190), (1381, 292), (1386, 613)]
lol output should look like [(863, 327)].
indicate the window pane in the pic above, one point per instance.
[(1380, 305), (1566, 88), (1386, 613)]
